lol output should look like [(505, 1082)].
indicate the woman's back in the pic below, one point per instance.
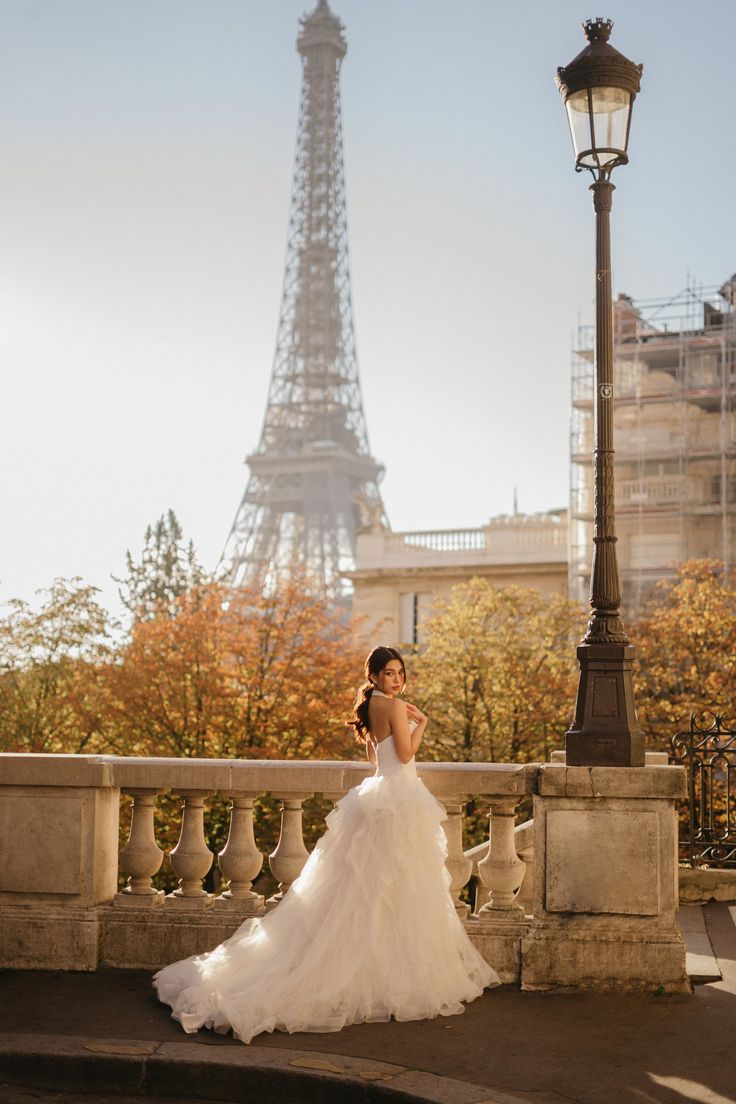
[(388, 722), (380, 709)]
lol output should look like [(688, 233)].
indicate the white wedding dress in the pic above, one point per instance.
[(367, 931)]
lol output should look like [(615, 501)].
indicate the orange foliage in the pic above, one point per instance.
[(686, 650), (234, 673)]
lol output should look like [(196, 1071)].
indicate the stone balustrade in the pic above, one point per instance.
[(50, 805), (438, 540), (595, 891), (662, 490), (292, 783), (512, 538)]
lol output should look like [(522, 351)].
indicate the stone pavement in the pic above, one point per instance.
[(107, 1031)]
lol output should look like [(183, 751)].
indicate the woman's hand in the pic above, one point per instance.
[(415, 714), (408, 725)]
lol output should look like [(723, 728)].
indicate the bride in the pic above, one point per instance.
[(368, 930)]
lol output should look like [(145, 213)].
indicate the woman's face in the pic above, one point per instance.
[(391, 679)]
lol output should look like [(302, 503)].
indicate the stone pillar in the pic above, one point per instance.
[(191, 858), (240, 860), (58, 859), (288, 860), (501, 922), (524, 845), (459, 866), (141, 857), (605, 897), (502, 871)]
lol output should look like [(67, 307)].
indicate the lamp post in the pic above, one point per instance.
[(599, 87)]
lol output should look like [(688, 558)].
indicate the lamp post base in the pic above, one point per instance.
[(605, 732)]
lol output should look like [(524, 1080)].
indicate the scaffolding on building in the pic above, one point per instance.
[(674, 436)]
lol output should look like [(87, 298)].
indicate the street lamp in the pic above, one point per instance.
[(599, 87)]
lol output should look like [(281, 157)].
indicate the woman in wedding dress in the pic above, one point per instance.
[(368, 931)]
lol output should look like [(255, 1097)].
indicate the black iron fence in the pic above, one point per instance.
[(708, 818)]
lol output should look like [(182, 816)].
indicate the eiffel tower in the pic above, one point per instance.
[(313, 482)]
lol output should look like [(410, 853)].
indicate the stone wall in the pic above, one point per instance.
[(602, 849)]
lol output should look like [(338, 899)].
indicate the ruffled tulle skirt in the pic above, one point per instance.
[(367, 932)]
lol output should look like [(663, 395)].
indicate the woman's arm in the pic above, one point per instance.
[(370, 751), (407, 743)]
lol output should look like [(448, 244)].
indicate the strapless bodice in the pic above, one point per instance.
[(387, 758)]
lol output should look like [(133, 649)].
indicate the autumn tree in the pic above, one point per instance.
[(498, 673), (49, 695), (686, 649), (168, 568), (234, 672)]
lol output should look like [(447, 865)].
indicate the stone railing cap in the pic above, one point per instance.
[(486, 779), (558, 780), (280, 776), (28, 769)]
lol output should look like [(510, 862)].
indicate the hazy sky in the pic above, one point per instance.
[(146, 156)]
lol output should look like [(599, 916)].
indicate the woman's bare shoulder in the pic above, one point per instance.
[(388, 707)]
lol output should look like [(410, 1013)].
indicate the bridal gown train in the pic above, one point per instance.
[(368, 931)]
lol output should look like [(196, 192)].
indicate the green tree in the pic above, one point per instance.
[(168, 567), (497, 675), (49, 695)]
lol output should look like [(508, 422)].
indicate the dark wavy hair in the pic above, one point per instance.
[(374, 664)]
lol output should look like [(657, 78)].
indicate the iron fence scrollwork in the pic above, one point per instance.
[(708, 822)]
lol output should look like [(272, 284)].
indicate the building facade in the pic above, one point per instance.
[(674, 438), (399, 575), (675, 477)]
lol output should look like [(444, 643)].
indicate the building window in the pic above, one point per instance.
[(413, 609)]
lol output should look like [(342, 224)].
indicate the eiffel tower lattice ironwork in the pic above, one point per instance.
[(313, 482)]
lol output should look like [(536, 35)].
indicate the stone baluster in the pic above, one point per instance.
[(502, 871), (333, 795), (459, 866), (141, 857), (287, 861), (240, 860), (526, 894), (191, 858)]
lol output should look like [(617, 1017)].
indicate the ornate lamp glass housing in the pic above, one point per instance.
[(599, 87)]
